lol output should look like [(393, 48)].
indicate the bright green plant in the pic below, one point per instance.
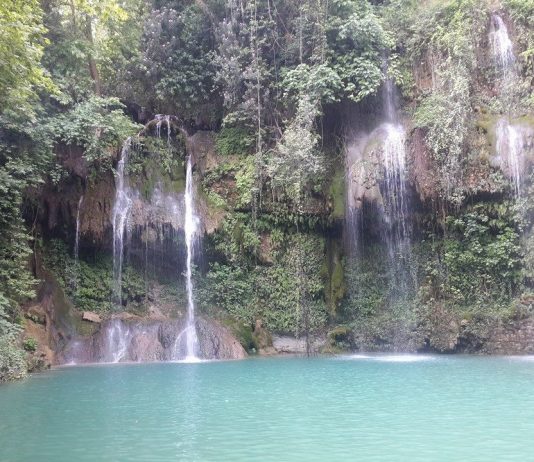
[(30, 344)]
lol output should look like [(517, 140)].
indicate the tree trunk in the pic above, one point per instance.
[(93, 70)]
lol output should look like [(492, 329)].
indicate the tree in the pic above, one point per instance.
[(21, 48)]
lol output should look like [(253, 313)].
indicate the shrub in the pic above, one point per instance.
[(30, 344)]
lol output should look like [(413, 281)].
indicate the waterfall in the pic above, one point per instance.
[(510, 148), (77, 243), (510, 139), (158, 126), (167, 119), (378, 200), (121, 211), (503, 50), (118, 337), (397, 227), (190, 229)]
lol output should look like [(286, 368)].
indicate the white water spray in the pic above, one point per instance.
[(510, 138), (77, 242), (190, 229), (395, 178), (510, 147), (118, 338), (121, 212), (397, 230), (503, 49)]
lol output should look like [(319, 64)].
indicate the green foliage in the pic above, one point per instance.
[(287, 296), (319, 81), (176, 60), (296, 163), (480, 258), (152, 161), (24, 157), (231, 289), (444, 114), (30, 344), (234, 140), (445, 39), (237, 239), (91, 45), (21, 49), (357, 43), (522, 13), (98, 125), (244, 181), (367, 284), (89, 284), (12, 363)]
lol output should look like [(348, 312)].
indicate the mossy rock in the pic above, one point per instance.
[(337, 196), (340, 337), (244, 334), (487, 124), (334, 275)]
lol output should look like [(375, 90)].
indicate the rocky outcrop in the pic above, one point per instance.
[(91, 317), (131, 338), (283, 344), (504, 337)]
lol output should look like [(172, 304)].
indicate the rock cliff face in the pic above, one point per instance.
[(130, 338), (387, 271), (65, 335)]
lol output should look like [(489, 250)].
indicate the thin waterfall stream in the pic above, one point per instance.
[(510, 141), (190, 229), (77, 243), (121, 210), (190, 233), (395, 197), (510, 138), (502, 46)]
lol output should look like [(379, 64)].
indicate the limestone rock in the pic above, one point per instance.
[(291, 345), (91, 317), (144, 340)]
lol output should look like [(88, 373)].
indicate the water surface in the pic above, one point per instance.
[(365, 408)]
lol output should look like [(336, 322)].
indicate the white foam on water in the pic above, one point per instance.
[(394, 358), (408, 358)]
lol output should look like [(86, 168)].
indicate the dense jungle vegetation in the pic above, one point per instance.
[(279, 83)]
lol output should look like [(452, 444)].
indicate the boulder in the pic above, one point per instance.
[(91, 317)]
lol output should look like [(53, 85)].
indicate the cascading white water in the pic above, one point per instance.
[(77, 242), (397, 226), (510, 138), (118, 339), (190, 229), (502, 46), (386, 189), (395, 206), (395, 201), (168, 120), (121, 211), (158, 126), (510, 147)]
